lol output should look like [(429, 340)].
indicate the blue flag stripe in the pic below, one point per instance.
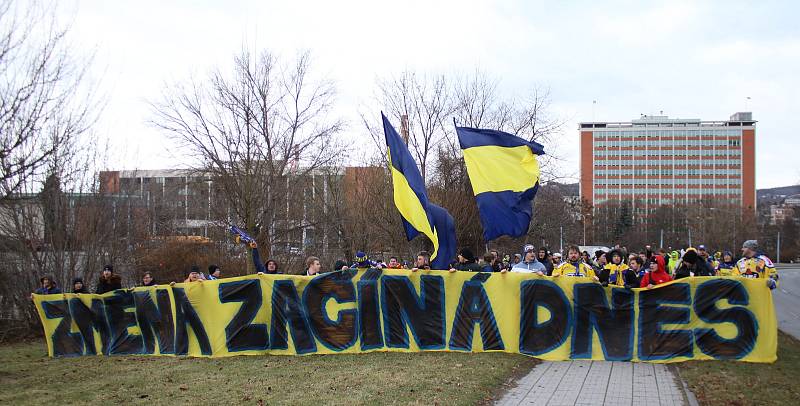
[(506, 213), (474, 137)]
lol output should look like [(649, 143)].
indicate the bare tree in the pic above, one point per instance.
[(51, 221), (420, 103), (257, 129), (44, 100)]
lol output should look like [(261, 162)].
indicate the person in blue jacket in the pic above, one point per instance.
[(48, 286)]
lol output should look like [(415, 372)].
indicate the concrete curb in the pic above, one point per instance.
[(687, 393)]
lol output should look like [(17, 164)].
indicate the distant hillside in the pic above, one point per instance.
[(778, 192), (567, 189)]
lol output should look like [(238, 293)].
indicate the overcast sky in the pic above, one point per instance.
[(687, 59)]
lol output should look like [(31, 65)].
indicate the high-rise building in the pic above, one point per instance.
[(656, 161)]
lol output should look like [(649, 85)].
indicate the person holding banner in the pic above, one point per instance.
[(466, 262), (613, 271), (693, 265), (637, 265), (756, 265), (108, 281), (727, 266), (488, 262), (529, 264), (421, 262), (194, 275), (148, 280), (78, 286), (48, 286), (394, 263), (313, 266), (656, 273), (573, 266)]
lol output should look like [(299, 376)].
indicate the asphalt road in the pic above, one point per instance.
[(787, 299)]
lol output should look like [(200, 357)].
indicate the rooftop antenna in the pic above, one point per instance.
[(746, 103), (594, 103)]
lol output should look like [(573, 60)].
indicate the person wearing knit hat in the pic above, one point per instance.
[(756, 265), (466, 262), (363, 261), (726, 265), (529, 264), (693, 264), (108, 281), (556, 258), (78, 286)]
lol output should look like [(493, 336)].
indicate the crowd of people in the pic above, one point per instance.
[(616, 267)]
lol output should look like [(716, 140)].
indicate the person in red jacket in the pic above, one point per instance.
[(657, 273)]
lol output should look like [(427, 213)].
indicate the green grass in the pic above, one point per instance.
[(742, 383), (28, 376)]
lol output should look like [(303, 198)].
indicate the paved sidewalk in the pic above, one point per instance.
[(597, 383)]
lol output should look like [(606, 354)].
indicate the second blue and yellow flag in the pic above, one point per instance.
[(504, 173)]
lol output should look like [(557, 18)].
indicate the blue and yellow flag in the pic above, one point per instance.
[(505, 176), (419, 215)]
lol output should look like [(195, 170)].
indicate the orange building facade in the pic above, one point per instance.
[(656, 161)]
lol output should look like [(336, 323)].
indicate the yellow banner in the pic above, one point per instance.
[(552, 318)]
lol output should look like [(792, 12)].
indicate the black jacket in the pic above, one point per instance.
[(629, 275), (468, 266), (548, 265), (107, 285), (701, 268)]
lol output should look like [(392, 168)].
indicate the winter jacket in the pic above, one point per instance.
[(260, 267), (658, 277), (757, 267), (83, 287), (48, 291), (574, 269), (487, 268), (627, 278), (547, 262), (469, 267), (533, 266), (727, 269), (107, 285), (674, 261), (701, 268), (613, 274)]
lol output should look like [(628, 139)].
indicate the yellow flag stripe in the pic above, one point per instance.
[(493, 168), (411, 208)]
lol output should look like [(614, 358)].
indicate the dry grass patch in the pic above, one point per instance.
[(27, 376), (744, 383)]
